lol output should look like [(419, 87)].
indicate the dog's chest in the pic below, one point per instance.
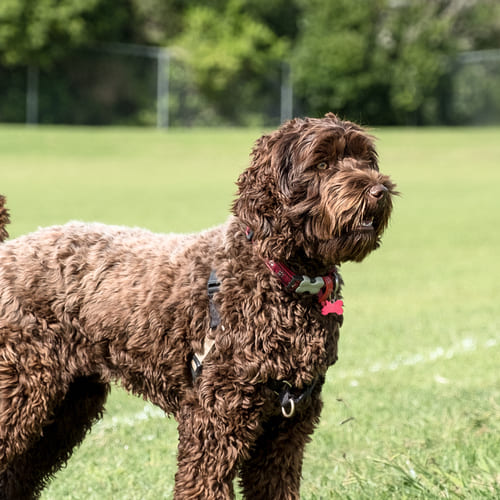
[(282, 332)]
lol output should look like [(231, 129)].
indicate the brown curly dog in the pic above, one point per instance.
[(231, 330)]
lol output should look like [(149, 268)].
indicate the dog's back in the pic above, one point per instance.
[(96, 269)]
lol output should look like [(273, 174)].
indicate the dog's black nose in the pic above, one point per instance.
[(377, 191)]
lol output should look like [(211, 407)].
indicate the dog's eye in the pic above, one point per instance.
[(322, 165)]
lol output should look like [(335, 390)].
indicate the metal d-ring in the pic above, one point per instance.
[(336, 286), (288, 414)]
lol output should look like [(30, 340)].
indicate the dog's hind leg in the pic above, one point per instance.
[(28, 473)]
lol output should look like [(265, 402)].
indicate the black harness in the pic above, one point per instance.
[(288, 396), (213, 286)]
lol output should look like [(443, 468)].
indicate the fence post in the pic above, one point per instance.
[(286, 92), (162, 88), (32, 95)]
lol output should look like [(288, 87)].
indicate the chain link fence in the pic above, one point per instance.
[(146, 86), (475, 88), (121, 84)]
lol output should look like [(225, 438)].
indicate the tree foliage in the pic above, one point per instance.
[(230, 53), (384, 61), (42, 32), (378, 61)]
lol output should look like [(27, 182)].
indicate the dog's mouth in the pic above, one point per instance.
[(367, 224)]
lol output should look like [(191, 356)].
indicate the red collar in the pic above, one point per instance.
[(323, 286)]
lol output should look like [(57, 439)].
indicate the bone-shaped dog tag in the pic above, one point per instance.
[(309, 285), (332, 307)]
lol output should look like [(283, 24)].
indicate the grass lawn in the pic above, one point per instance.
[(412, 408)]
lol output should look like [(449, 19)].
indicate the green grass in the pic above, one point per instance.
[(412, 409)]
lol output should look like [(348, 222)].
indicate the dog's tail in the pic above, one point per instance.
[(4, 219)]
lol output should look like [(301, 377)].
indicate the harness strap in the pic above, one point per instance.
[(285, 393), (213, 286)]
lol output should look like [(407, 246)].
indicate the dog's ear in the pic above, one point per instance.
[(255, 202), (265, 184)]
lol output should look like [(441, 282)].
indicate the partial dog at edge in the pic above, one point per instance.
[(231, 331)]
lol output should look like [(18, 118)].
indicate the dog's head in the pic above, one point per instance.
[(314, 192)]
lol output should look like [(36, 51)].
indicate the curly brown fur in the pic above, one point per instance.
[(82, 305), (4, 219)]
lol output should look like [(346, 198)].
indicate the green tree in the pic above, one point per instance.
[(376, 61), (234, 57), (386, 61), (44, 31), (159, 21), (338, 63)]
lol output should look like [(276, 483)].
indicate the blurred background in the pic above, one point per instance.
[(249, 62)]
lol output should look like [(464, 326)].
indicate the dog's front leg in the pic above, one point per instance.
[(274, 468), (209, 449)]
